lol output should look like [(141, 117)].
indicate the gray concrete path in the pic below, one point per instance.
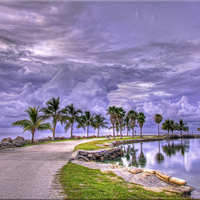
[(28, 172)]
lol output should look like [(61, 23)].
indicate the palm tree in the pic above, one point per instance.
[(99, 121), (112, 112), (127, 123), (173, 126), (186, 129), (85, 121), (158, 119), (35, 122), (120, 113), (70, 117), (182, 126), (166, 125), (141, 120), (133, 116), (52, 110), (116, 127)]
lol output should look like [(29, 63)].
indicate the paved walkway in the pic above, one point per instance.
[(28, 172)]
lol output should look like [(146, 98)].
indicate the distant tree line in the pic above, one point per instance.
[(69, 116)]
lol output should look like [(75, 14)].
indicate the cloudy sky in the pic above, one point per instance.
[(139, 55)]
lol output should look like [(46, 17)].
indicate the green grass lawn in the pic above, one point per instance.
[(94, 144), (80, 182)]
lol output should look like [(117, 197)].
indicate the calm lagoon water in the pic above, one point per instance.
[(179, 158)]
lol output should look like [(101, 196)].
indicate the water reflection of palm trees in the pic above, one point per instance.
[(159, 156), (172, 149), (142, 158), (131, 159), (134, 161), (127, 155)]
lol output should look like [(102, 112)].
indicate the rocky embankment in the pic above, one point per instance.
[(114, 151), (20, 141), (99, 155), (166, 137), (148, 179)]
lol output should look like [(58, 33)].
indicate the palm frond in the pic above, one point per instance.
[(28, 128), (67, 126), (45, 126), (22, 123)]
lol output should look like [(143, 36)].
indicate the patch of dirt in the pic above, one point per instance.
[(114, 178)]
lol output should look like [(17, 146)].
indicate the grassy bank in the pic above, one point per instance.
[(94, 144), (80, 182)]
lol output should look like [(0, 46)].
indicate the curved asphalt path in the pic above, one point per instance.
[(28, 172)]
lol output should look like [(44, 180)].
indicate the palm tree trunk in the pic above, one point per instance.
[(113, 132), (54, 130), (53, 138), (120, 131), (87, 131), (158, 130), (127, 130), (141, 131), (98, 132), (71, 131), (181, 132), (32, 139), (132, 132)]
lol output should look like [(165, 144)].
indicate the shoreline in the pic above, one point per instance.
[(149, 179), (40, 135), (20, 141), (173, 184)]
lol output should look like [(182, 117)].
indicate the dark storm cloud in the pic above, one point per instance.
[(14, 77), (141, 55)]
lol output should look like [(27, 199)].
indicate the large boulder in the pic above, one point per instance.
[(19, 141), (41, 140), (177, 181), (36, 141), (134, 170), (49, 138), (6, 142), (27, 141)]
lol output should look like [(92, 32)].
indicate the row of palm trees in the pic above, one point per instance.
[(120, 120), (171, 125), (69, 116)]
